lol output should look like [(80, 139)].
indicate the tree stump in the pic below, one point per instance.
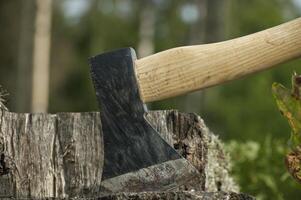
[(61, 156), (191, 195)]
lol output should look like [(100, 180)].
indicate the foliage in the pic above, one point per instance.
[(245, 106), (259, 169), (289, 104), (244, 113)]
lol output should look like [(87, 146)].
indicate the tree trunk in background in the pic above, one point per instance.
[(198, 29), (41, 56), (215, 20), (209, 28), (33, 56), (24, 69), (146, 29)]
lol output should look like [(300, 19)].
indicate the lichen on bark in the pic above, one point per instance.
[(189, 135), (179, 195)]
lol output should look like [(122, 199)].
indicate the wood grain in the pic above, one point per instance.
[(180, 195), (185, 69), (50, 155), (61, 155), (190, 136)]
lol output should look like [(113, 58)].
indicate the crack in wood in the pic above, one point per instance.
[(3, 167), (65, 156)]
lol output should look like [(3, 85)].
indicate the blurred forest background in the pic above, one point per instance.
[(45, 44)]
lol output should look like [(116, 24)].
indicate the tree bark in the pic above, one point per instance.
[(147, 28), (25, 62), (179, 195), (61, 155), (47, 155)]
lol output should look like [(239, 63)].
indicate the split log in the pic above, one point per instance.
[(61, 155)]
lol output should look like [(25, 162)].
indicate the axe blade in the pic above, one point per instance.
[(130, 142)]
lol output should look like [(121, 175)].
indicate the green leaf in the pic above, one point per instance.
[(289, 104)]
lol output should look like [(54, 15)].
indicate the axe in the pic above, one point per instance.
[(134, 153)]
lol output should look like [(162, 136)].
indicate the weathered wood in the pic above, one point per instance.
[(61, 155), (2, 100), (50, 155), (179, 196), (190, 136)]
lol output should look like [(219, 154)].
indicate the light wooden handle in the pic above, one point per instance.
[(185, 69)]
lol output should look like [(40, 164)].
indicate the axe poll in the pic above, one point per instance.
[(134, 151)]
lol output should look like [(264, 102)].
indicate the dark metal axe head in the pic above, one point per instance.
[(130, 142)]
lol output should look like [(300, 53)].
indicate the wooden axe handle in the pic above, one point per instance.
[(185, 69)]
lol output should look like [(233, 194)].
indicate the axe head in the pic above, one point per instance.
[(133, 150)]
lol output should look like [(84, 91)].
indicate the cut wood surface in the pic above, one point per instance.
[(61, 155)]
